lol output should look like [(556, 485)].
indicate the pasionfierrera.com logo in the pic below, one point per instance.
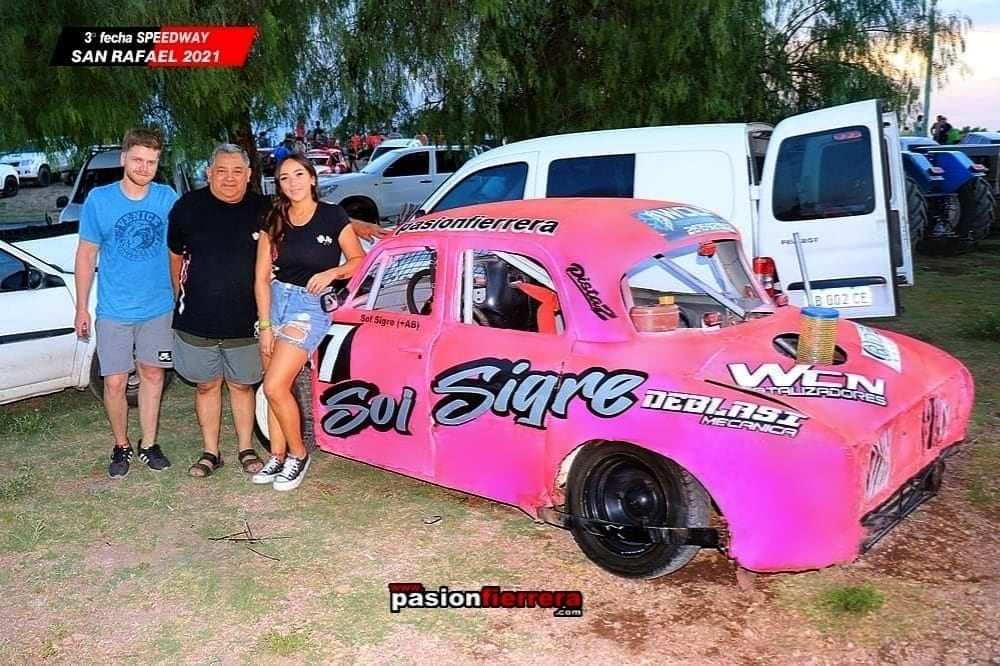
[(564, 603)]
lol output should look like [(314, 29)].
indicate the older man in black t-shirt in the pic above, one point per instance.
[(212, 235)]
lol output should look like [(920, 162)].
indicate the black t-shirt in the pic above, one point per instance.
[(218, 241), (312, 248)]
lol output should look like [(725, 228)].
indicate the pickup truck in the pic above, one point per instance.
[(39, 167), (383, 188), (834, 176)]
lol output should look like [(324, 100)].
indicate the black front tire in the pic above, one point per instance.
[(625, 484), (979, 208), (131, 391), (44, 177), (10, 186)]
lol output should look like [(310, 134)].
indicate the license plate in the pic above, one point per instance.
[(844, 297)]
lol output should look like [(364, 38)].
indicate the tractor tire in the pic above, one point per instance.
[(979, 210), (916, 211)]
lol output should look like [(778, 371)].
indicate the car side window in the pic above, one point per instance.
[(448, 161), (824, 174), (508, 290), (504, 182), (13, 273), (602, 176), (411, 164), (400, 282)]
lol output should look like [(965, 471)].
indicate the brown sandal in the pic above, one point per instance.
[(206, 466), (250, 461)]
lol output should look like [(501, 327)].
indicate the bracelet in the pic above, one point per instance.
[(259, 326), (264, 323)]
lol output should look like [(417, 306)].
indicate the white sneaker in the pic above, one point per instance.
[(269, 472), (292, 473)]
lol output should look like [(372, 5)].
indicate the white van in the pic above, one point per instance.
[(835, 176)]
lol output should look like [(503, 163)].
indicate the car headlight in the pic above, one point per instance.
[(326, 190)]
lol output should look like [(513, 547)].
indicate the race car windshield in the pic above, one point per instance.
[(697, 274)]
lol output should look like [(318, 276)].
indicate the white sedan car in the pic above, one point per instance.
[(39, 350)]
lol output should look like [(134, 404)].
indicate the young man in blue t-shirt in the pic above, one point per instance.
[(124, 224)]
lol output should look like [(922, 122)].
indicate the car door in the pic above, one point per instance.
[(38, 344), (827, 177), (370, 396), (494, 370), (407, 179)]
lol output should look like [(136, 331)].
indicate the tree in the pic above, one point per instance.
[(825, 52), (194, 107)]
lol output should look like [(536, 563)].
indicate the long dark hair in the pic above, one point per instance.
[(276, 220)]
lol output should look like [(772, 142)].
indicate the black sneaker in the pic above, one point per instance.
[(292, 473), (121, 458), (269, 472), (153, 457)]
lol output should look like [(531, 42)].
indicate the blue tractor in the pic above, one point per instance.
[(950, 204)]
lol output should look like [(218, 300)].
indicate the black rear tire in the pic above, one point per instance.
[(10, 186), (302, 390), (916, 211), (978, 210), (625, 484), (131, 391)]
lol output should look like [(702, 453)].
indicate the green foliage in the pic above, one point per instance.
[(852, 599), (195, 107), (469, 68)]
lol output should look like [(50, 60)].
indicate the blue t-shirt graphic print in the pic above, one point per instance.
[(133, 277)]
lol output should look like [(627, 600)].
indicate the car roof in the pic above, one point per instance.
[(105, 159), (618, 232), (405, 143)]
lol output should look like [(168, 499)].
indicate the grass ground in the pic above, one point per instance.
[(94, 570)]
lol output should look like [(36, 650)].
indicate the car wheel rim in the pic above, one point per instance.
[(626, 491)]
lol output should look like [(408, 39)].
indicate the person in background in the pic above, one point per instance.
[(940, 130), (920, 127), (422, 138), (298, 257), (124, 224)]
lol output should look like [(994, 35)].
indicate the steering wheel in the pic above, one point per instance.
[(411, 287)]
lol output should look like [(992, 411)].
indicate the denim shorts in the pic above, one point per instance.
[(295, 309)]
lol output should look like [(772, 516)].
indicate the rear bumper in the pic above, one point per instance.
[(918, 489)]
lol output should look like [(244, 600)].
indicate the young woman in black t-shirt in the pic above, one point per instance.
[(298, 256)]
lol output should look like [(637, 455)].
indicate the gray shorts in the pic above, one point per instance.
[(206, 360), (120, 345)]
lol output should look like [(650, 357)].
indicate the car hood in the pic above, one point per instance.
[(60, 251), (883, 374), (19, 157)]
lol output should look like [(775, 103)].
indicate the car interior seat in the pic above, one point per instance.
[(505, 306)]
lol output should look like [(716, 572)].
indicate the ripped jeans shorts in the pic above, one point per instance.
[(297, 316)]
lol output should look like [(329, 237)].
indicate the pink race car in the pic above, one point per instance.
[(506, 350)]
